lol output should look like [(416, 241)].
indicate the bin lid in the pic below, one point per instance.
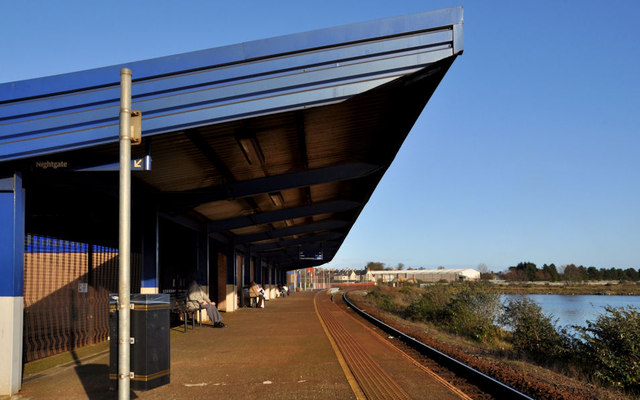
[(137, 298)]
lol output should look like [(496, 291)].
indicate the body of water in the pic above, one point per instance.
[(576, 310)]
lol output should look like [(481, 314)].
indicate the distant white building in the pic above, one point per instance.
[(345, 276), (426, 275)]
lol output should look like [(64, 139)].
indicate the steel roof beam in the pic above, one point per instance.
[(252, 187), (214, 159), (296, 242), (210, 155), (293, 251), (281, 215), (294, 230)]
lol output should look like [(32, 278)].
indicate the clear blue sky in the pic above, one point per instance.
[(528, 151)]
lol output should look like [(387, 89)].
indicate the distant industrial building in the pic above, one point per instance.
[(433, 275)]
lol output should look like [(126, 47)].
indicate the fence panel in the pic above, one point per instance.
[(66, 294)]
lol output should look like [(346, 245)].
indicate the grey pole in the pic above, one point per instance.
[(124, 275)]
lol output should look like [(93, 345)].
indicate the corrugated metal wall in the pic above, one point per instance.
[(66, 294)]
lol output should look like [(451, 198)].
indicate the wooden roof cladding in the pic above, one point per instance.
[(366, 130)]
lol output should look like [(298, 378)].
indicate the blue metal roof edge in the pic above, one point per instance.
[(263, 48)]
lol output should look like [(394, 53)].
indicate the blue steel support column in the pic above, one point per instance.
[(266, 269), (247, 267), (231, 266), (12, 221), (270, 276), (149, 284), (246, 274), (203, 260), (259, 272)]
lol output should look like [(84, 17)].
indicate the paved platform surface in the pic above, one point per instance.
[(382, 371), (279, 352)]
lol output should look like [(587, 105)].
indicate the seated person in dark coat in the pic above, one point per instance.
[(198, 299)]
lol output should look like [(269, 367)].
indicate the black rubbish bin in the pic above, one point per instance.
[(150, 352)]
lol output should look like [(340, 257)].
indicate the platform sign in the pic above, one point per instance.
[(137, 164), (316, 255)]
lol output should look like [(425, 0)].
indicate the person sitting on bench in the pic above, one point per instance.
[(197, 296), (255, 291)]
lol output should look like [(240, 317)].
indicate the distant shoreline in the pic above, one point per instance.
[(606, 288)]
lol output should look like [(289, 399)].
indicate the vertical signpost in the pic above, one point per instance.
[(124, 275)]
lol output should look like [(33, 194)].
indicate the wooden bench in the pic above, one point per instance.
[(185, 308), (250, 299)]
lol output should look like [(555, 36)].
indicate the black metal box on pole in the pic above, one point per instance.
[(150, 348)]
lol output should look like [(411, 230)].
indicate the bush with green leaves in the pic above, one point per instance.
[(610, 347), (473, 312), (466, 309), (382, 299), (431, 306), (534, 334)]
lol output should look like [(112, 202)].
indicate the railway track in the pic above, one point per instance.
[(486, 384)]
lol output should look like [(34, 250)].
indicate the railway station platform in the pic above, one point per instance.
[(299, 347), (279, 352)]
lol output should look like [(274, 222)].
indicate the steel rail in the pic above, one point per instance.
[(483, 381)]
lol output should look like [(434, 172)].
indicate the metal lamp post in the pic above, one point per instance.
[(124, 251)]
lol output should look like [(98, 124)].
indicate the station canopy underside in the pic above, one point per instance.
[(275, 152)]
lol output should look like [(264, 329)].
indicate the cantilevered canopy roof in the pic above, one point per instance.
[(275, 145)]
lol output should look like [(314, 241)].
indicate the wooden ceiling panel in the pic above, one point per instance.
[(224, 209)]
